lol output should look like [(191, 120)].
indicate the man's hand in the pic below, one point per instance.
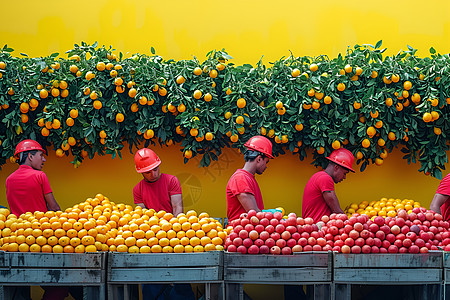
[(332, 202), (51, 202), (177, 204)]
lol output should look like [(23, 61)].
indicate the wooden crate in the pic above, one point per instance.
[(446, 267), (126, 270), (53, 269), (307, 268), (424, 269)]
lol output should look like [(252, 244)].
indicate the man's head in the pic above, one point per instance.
[(341, 161), (147, 163), (30, 153), (258, 153)]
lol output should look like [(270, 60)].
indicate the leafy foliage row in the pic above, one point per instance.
[(94, 102)]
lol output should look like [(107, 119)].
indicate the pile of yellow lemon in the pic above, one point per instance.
[(384, 207), (98, 224)]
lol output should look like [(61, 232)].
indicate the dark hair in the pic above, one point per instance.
[(24, 155), (251, 155)]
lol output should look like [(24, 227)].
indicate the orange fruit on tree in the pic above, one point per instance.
[(341, 87), (120, 117), (197, 94)]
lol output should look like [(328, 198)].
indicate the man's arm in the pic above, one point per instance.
[(332, 202), (177, 204), (248, 201), (437, 202), (51, 202)]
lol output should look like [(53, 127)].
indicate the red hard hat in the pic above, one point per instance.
[(260, 144), (342, 157), (27, 145), (146, 160)]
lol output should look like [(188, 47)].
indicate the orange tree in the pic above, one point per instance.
[(94, 102)]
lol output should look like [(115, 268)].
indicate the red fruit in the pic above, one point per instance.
[(238, 228), (253, 234), (429, 216), (359, 242), (309, 221), (393, 249), (375, 249), (336, 248), (307, 248), (233, 235), (370, 241), (352, 220), (291, 229), (302, 242), (400, 222), (447, 248), (264, 249), (386, 229), (291, 243), (286, 251), (325, 219), (269, 242), (264, 235), (356, 249), (277, 215), (349, 242), (280, 243), (321, 242), (412, 216), (416, 210), (345, 249), (270, 228), (315, 234), (314, 227), (241, 249), (377, 242), (408, 223), (243, 234), (353, 234), (312, 241), (237, 242), (329, 237), (380, 234), (344, 236), (407, 243), (231, 248), (348, 228), (398, 243), (296, 248), (305, 235), (383, 250), (414, 249), (403, 250), (374, 227), (300, 221), (275, 236), (434, 223), (244, 222), (343, 217), (275, 250), (385, 244), (395, 230), (258, 242), (327, 248), (259, 228), (339, 223), (364, 234), (291, 221), (333, 230), (274, 222), (253, 249), (286, 235), (415, 229), (445, 234), (400, 236), (296, 236), (339, 243), (260, 215), (390, 237), (249, 227), (438, 217), (247, 242), (358, 226), (243, 216), (402, 214), (268, 215), (438, 237), (251, 213), (333, 216), (264, 222), (421, 217), (254, 220), (423, 250), (280, 228), (420, 243), (411, 235), (379, 220)]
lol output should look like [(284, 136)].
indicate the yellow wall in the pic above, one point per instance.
[(248, 30)]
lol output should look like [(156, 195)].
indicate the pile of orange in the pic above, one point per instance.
[(384, 207), (98, 224)]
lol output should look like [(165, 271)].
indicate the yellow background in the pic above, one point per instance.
[(248, 30)]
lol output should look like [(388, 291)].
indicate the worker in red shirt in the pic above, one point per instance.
[(319, 198), (440, 203), (28, 190), (161, 192), (243, 193)]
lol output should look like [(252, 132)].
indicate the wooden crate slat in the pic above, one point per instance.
[(277, 275), (387, 276), (446, 258), (319, 259), (388, 260), (57, 260), (142, 275), (52, 276), (143, 260)]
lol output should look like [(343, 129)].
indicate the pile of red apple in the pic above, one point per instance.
[(265, 232)]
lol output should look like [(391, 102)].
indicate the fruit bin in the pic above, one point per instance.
[(423, 270), (446, 266), (304, 268), (53, 269), (126, 270)]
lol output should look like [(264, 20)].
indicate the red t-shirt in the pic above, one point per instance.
[(25, 190), (157, 194), (241, 182), (314, 205), (444, 189)]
